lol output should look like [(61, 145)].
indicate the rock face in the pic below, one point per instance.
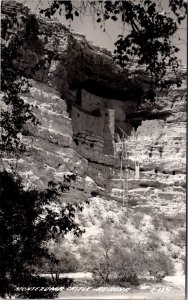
[(86, 104)]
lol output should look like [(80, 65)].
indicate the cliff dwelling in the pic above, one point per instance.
[(94, 123), (99, 123)]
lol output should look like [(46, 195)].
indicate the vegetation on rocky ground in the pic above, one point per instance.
[(114, 260)]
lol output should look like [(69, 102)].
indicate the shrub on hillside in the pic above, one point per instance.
[(100, 260), (111, 267), (54, 267), (173, 223), (128, 266), (157, 222), (114, 260), (66, 263), (180, 238), (159, 265), (137, 218), (153, 241)]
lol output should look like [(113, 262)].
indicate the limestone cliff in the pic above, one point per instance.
[(85, 103)]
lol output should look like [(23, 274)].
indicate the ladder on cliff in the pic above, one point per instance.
[(124, 174)]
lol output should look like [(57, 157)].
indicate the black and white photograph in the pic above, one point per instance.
[(93, 122)]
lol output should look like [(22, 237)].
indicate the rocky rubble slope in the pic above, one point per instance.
[(158, 142)]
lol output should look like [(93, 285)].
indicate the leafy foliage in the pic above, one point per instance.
[(28, 219), (64, 263), (159, 265), (114, 260), (100, 262), (150, 30)]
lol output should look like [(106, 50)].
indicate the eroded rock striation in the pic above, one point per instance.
[(86, 104)]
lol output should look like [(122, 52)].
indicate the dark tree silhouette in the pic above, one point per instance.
[(27, 221), (27, 217)]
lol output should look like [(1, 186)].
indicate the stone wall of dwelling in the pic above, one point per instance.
[(122, 109), (88, 132), (93, 124), (84, 122), (92, 102), (109, 131)]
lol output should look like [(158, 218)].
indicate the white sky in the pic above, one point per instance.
[(106, 39)]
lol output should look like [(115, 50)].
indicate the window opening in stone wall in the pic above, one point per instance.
[(136, 124), (79, 97), (96, 112), (160, 151), (76, 142)]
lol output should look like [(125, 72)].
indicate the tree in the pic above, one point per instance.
[(114, 259), (151, 29), (28, 219), (159, 265), (62, 260), (111, 263), (100, 259)]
